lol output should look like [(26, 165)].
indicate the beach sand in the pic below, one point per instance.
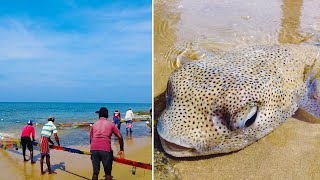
[(76, 166), (290, 152)]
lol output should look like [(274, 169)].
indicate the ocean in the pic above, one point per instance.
[(15, 115)]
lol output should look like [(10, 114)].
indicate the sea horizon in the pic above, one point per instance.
[(15, 115), (75, 102)]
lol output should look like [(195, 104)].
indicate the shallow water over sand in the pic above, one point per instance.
[(291, 151), (223, 25)]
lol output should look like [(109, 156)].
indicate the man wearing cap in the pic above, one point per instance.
[(46, 132), (26, 140), (100, 144)]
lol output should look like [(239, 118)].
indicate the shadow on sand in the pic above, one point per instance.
[(60, 166)]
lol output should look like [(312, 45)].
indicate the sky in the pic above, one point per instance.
[(76, 51)]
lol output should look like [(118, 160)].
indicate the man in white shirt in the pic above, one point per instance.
[(129, 119)]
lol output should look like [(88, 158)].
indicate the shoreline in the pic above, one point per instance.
[(77, 166)]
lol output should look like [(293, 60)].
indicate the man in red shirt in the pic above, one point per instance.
[(117, 118), (26, 140), (100, 144)]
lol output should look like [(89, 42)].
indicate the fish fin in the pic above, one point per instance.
[(309, 111), (306, 116)]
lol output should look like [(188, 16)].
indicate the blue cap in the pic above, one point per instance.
[(30, 122)]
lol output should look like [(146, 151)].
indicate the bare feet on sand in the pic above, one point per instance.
[(52, 172), (33, 162)]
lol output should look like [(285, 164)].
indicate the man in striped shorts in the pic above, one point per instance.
[(46, 132)]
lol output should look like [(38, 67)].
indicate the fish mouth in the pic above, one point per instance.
[(177, 150)]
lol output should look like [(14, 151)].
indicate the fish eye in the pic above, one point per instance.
[(251, 116), (245, 118)]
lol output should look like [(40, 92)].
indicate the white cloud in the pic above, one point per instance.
[(39, 54), (16, 42), (103, 13), (77, 51), (24, 38)]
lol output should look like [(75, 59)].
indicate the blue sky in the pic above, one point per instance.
[(76, 51)]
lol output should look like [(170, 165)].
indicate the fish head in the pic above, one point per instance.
[(212, 109)]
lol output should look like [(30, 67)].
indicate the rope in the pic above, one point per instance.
[(116, 159)]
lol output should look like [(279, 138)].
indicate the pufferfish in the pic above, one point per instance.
[(227, 101)]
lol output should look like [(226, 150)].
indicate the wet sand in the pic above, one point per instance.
[(76, 166), (290, 152)]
